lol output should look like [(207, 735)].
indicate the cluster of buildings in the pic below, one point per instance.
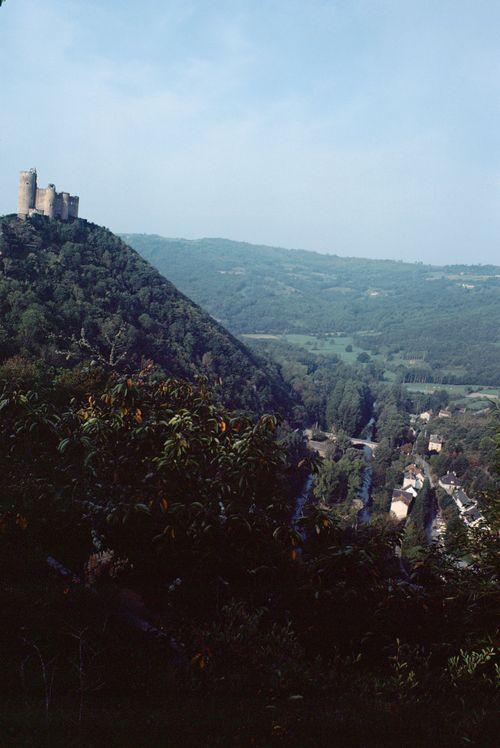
[(428, 414), (402, 498), (436, 442), (467, 507), (413, 480)]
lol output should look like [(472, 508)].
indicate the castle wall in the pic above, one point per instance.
[(40, 199), (74, 203)]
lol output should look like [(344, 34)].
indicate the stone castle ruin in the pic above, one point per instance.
[(44, 200)]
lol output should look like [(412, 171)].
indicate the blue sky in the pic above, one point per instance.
[(359, 127)]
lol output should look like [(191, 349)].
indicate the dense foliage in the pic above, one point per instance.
[(436, 324), (416, 536), (74, 291), (171, 508), (329, 392), (338, 481)]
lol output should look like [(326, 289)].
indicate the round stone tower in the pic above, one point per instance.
[(27, 192), (64, 206), (50, 201)]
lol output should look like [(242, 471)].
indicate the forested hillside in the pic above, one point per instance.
[(427, 324), (71, 292)]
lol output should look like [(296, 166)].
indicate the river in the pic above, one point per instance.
[(300, 503), (364, 493)]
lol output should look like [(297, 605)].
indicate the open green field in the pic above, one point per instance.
[(471, 396), (329, 344), (260, 336), (337, 344), (479, 391), (332, 344), (326, 345)]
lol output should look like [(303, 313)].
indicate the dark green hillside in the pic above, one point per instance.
[(428, 324), (74, 291)]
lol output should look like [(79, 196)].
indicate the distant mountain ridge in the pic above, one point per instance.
[(444, 321), (70, 291)]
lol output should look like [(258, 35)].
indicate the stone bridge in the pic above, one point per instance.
[(321, 447)]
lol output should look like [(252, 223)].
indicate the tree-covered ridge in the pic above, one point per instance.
[(443, 322), (74, 291)]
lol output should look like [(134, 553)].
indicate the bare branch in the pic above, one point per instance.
[(109, 356)]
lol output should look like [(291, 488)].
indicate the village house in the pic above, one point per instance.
[(426, 416), (468, 508), (400, 503), (463, 502), (450, 482), (481, 412), (444, 414), (413, 468), (435, 443), (410, 480), (413, 477), (473, 517)]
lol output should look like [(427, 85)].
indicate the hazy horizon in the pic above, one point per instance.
[(265, 245), (362, 129)]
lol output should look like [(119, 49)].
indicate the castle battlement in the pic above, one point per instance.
[(45, 201)]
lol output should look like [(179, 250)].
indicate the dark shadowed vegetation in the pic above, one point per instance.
[(170, 509)]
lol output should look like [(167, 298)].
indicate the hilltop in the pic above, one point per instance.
[(424, 323), (71, 292)]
